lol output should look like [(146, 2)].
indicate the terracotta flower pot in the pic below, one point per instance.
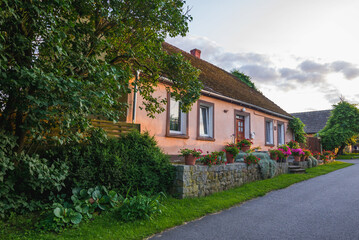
[(296, 158), (229, 157), (190, 160), (245, 148)]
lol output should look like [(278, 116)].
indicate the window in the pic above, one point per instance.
[(176, 119), (281, 133), (269, 132), (205, 120)]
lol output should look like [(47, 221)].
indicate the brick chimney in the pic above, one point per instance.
[(196, 52)]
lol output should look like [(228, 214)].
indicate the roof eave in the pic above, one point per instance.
[(233, 100)]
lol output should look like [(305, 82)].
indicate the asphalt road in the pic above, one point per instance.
[(325, 207)]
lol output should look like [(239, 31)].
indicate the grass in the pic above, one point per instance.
[(348, 156), (176, 211)]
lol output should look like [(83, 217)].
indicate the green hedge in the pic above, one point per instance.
[(131, 163)]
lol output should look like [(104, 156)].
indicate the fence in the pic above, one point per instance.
[(313, 144), (115, 129)]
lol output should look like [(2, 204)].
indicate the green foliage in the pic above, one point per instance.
[(194, 152), (26, 181), (244, 78), (267, 168), (139, 207), (231, 149), (175, 211), (297, 127), (312, 162), (342, 126), (132, 161), (214, 158), (251, 159), (64, 61)]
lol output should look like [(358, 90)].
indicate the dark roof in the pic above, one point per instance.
[(314, 121), (219, 81)]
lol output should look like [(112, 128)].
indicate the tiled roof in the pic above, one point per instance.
[(219, 81), (314, 121)]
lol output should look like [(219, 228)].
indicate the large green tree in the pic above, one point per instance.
[(342, 127), (63, 61)]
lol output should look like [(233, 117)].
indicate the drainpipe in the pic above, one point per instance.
[(135, 97)]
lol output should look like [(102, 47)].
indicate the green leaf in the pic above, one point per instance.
[(76, 218)]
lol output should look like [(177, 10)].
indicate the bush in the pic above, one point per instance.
[(267, 168), (133, 161), (139, 207), (26, 181)]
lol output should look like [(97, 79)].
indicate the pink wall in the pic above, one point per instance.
[(223, 122)]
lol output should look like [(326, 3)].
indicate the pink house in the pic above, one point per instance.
[(228, 110)]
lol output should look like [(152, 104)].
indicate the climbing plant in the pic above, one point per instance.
[(297, 126)]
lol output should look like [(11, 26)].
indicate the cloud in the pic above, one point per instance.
[(349, 70), (263, 71), (260, 73), (309, 66), (332, 96)]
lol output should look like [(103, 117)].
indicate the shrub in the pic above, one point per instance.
[(26, 181), (132, 161), (267, 168), (139, 207)]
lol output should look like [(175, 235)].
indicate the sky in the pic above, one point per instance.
[(301, 54)]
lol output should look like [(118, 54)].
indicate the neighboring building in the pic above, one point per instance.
[(314, 120), (227, 110)]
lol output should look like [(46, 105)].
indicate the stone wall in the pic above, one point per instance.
[(199, 180)]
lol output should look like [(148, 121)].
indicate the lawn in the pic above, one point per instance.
[(348, 156), (175, 211)]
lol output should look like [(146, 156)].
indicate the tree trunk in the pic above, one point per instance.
[(341, 149)]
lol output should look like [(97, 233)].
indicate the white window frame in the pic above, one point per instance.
[(270, 129), (281, 133), (183, 132), (210, 121)]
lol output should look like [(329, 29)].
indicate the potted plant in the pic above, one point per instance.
[(245, 144), (273, 153), (251, 159), (231, 151), (284, 152), (297, 154), (214, 158), (190, 155), (293, 144)]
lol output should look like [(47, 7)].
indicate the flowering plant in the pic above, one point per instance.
[(325, 158), (276, 154), (231, 149), (214, 158), (329, 154), (297, 152), (195, 152), (316, 155), (285, 150), (293, 144), (251, 159), (307, 152), (244, 142)]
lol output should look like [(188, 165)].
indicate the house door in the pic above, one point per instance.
[(240, 128)]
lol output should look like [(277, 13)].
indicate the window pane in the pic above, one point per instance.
[(269, 131), (175, 115), (204, 117)]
